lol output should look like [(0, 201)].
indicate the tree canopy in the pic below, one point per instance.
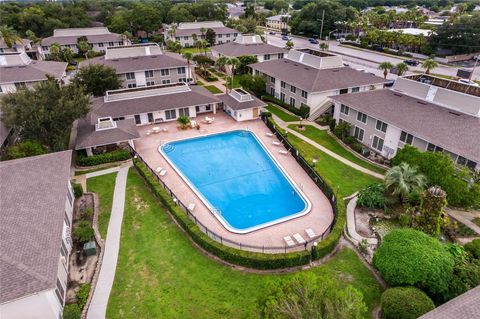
[(96, 79), (46, 113)]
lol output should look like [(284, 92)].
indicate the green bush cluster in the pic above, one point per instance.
[(77, 190), (82, 294), (83, 231), (473, 248), (232, 255), (72, 311), (109, 157), (25, 149), (373, 196), (303, 111), (405, 303)]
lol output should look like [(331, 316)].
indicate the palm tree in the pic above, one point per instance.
[(429, 65), (401, 68), (83, 48), (289, 45), (221, 62), (189, 56), (203, 44), (9, 36), (385, 66), (234, 63), (323, 46), (202, 31), (55, 51), (402, 179)]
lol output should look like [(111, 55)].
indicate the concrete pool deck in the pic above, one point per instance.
[(319, 218)]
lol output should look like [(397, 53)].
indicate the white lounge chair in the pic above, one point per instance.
[(310, 232), (269, 134), (288, 240), (158, 169), (283, 152), (276, 143), (165, 129), (162, 172), (191, 206), (299, 238)]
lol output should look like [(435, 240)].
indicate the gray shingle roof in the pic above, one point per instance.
[(88, 137), (196, 96), (237, 105), (316, 80), (465, 306), (142, 63), (72, 39), (233, 49), (33, 192), (32, 72), (456, 132)]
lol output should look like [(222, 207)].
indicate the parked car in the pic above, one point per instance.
[(271, 33), (411, 62), (467, 81), (285, 38), (313, 41), (389, 83), (341, 39)]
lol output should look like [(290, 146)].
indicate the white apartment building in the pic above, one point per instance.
[(184, 32)]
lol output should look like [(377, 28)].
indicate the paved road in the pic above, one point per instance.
[(367, 60)]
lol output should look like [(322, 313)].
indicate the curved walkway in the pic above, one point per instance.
[(98, 305), (284, 126)]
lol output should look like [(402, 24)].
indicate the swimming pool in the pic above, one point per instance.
[(237, 179)]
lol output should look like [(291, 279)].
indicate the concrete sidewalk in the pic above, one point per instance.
[(465, 218), (98, 305)]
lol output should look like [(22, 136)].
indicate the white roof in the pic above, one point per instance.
[(197, 25), (80, 31), (278, 17), (413, 31), (129, 51)]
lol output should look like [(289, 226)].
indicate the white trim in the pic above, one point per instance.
[(306, 210)]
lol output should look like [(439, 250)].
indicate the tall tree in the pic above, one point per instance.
[(401, 68), (211, 37), (189, 56), (46, 113), (83, 46), (429, 65), (55, 51), (385, 66), (96, 79), (9, 36)]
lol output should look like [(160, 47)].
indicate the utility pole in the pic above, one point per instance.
[(321, 28)]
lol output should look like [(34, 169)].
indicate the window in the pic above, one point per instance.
[(165, 81), (150, 83), (220, 36), (182, 80), (406, 138), (67, 221), (111, 44), (60, 292), (266, 57), (150, 117), (434, 148), (181, 70), (121, 118), (272, 91), (282, 97), (293, 89), (63, 250), (164, 72), (137, 119), (69, 196), (280, 55), (184, 112), (377, 143), (362, 117), (235, 34), (358, 133), (461, 160), (272, 79), (197, 108), (20, 85), (185, 38), (149, 74), (344, 109), (132, 85), (381, 126), (208, 107), (292, 101), (170, 114), (304, 94), (177, 38), (120, 43), (355, 89), (283, 84), (228, 35), (471, 164), (130, 76), (100, 44), (343, 91), (45, 48)]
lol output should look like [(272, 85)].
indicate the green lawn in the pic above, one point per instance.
[(236, 84), (193, 50), (103, 185), (284, 116), (160, 274), (341, 177), (213, 89), (326, 140)]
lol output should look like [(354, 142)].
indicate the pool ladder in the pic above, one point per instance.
[(167, 148), (217, 211)]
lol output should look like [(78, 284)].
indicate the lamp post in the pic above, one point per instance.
[(329, 33)]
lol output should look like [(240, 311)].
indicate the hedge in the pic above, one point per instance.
[(473, 248), (77, 190), (109, 157), (303, 111), (405, 303), (229, 254), (326, 246)]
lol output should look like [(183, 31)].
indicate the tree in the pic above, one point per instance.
[(174, 46), (289, 45), (401, 180), (405, 303), (342, 130), (253, 83), (188, 56), (460, 35), (54, 52), (9, 36), (401, 68), (234, 63), (429, 65), (25, 149), (308, 296), (411, 257), (323, 46), (96, 79), (183, 121), (211, 37), (430, 218), (203, 61), (46, 113), (83, 47), (385, 66), (31, 36), (245, 60), (66, 55)]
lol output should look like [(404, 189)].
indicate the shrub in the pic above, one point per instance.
[(72, 311), (267, 114), (405, 303), (77, 190), (25, 149), (302, 111), (473, 248), (410, 257), (357, 147), (349, 140), (404, 220), (332, 125), (373, 196), (83, 231), (342, 130), (232, 255), (109, 157), (82, 295)]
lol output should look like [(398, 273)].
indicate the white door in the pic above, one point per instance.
[(144, 118)]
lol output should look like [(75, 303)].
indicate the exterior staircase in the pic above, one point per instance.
[(318, 110)]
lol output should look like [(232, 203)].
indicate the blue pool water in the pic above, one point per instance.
[(237, 178)]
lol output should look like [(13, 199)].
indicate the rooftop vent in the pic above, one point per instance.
[(397, 94), (453, 113), (422, 102)]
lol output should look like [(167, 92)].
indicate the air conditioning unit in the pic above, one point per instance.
[(63, 260)]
